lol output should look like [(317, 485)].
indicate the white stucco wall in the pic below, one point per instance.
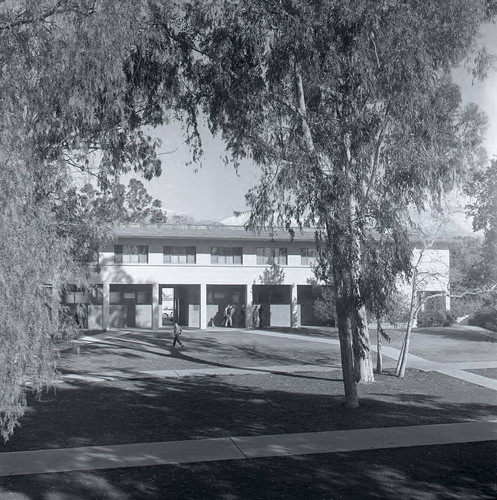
[(433, 272), (155, 271)]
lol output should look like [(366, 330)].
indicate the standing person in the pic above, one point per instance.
[(243, 314), (231, 311), (226, 314), (177, 330), (261, 315)]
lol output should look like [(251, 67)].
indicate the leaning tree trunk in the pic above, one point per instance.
[(344, 334), (342, 311), (400, 370), (379, 347)]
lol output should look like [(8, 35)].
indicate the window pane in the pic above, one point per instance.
[(214, 256), (190, 257), (69, 298), (118, 254)]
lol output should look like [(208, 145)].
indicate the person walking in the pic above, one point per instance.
[(177, 330), (231, 311)]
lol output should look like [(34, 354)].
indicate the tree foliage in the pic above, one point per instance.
[(483, 209), (348, 106), (74, 95)]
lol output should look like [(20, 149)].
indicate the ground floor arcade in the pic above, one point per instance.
[(200, 305)]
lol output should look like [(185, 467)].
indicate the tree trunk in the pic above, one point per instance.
[(363, 364), (400, 370), (349, 380), (379, 347)]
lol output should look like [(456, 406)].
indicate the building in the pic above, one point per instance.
[(152, 274)]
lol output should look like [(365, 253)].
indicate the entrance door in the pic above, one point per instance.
[(129, 299), (168, 306)]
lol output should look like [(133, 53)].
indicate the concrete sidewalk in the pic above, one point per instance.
[(239, 448), (195, 372)]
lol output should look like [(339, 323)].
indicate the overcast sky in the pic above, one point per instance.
[(215, 191)]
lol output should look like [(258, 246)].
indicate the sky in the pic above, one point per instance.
[(215, 191)]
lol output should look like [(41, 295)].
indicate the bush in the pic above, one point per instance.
[(434, 314), (431, 318), (465, 306), (486, 317)]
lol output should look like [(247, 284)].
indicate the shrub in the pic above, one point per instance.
[(486, 317), (431, 318), (434, 314)]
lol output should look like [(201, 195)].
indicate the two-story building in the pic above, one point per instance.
[(153, 274)]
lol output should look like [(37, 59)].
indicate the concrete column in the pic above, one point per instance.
[(155, 307), (249, 299), (294, 309), (447, 301), (203, 306), (106, 306)]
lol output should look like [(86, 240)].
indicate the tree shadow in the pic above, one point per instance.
[(137, 349), (195, 408), (455, 334)]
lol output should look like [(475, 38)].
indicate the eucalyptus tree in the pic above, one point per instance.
[(350, 110)]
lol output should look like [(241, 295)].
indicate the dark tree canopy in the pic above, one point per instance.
[(74, 96)]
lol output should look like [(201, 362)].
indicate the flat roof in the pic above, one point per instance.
[(223, 232), (198, 231)]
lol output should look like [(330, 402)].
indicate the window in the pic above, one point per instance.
[(93, 295), (124, 254), (179, 255), (271, 255), (76, 298), (226, 255), (308, 256)]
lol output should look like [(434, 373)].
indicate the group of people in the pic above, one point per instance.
[(229, 311)]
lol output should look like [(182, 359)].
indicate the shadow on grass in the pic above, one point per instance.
[(198, 352), (194, 408), (455, 334), (119, 412), (459, 472)]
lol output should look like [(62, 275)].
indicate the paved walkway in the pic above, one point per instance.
[(239, 448), (192, 372)]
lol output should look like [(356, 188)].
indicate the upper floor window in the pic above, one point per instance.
[(272, 255), (308, 256), (130, 253), (179, 255), (226, 255)]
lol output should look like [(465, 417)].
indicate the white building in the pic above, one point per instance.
[(154, 273)]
